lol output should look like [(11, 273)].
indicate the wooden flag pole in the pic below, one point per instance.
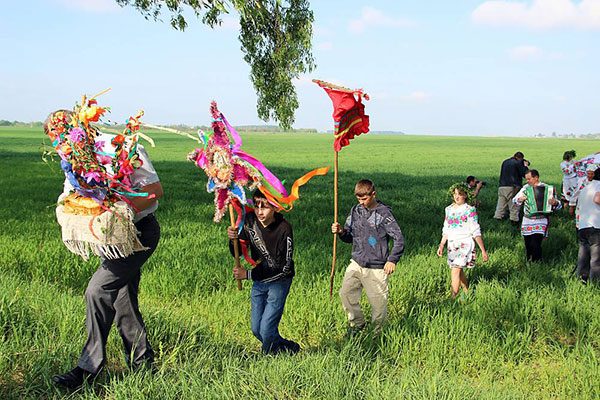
[(236, 249), (339, 88), (335, 219)]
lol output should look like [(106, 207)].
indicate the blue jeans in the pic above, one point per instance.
[(268, 301), (588, 258)]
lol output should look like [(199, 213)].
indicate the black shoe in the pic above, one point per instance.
[(147, 365), (74, 378), (353, 331), (293, 348)]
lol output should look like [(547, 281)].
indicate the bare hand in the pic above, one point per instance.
[(336, 228), (522, 199), (440, 250), (479, 185), (240, 273), (485, 256), (389, 267), (232, 232), (571, 210), (553, 202)]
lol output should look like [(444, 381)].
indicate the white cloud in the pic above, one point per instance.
[(541, 14), (92, 5), (533, 53), (324, 46), (373, 17)]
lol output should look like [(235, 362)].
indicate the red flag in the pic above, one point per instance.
[(348, 115)]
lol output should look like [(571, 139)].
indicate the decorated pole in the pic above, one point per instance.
[(335, 219), (236, 249), (349, 121)]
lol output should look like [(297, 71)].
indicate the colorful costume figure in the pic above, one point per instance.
[(534, 228), (119, 171), (461, 226), (230, 170)]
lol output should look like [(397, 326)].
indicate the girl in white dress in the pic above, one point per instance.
[(461, 230)]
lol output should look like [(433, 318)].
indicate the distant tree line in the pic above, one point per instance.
[(36, 124)]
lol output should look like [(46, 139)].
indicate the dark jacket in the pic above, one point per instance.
[(272, 246), (369, 231), (512, 172)]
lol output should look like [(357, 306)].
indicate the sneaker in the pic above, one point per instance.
[(74, 378)]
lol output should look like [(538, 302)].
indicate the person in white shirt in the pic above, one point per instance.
[(588, 211), (534, 228)]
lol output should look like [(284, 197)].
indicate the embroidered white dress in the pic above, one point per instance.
[(569, 182), (461, 226)]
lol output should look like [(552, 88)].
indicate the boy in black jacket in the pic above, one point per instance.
[(271, 243)]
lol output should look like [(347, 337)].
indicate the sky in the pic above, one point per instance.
[(462, 67)]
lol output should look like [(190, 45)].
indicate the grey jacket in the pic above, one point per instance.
[(369, 231)]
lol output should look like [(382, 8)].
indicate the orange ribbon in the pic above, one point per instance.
[(282, 202)]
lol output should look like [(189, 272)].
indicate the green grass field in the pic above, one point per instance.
[(528, 330)]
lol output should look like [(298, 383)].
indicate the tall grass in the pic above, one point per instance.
[(528, 330)]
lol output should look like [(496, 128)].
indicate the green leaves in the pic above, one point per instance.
[(276, 40)]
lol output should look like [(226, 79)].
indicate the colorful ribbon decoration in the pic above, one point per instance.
[(231, 171), (101, 175)]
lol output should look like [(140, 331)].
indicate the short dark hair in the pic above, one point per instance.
[(597, 175), (257, 194), (534, 173), (569, 154), (518, 154), (470, 178), (364, 187)]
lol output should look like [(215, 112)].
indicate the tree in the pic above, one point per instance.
[(276, 41)]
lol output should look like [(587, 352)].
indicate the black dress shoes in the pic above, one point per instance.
[(74, 378)]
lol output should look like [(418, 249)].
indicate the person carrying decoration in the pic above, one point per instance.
[(534, 227), (461, 231), (108, 167), (271, 243), (231, 173), (369, 228)]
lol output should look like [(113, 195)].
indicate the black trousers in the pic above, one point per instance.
[(533, 246), (112, 295)]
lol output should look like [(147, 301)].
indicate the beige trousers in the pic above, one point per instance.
[(375, 282), (505, 196)]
